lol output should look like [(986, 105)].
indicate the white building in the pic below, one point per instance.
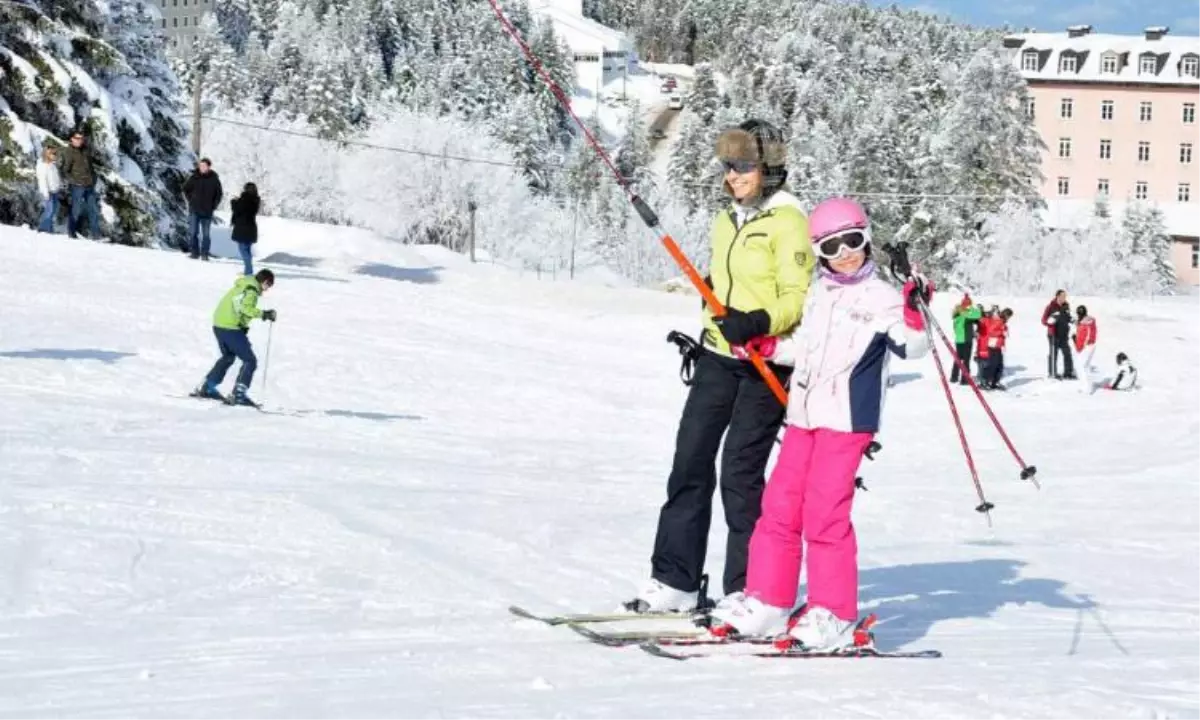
[(181, 19), (601, 54)]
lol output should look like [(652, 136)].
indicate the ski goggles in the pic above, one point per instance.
[(851, 240), (741, 167)]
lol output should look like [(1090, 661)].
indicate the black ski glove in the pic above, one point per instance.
[(268, 315), (740, 327)]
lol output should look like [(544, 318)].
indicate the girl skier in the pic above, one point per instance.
[(852, 320)]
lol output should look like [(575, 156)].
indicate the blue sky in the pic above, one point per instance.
[(1105, 16)]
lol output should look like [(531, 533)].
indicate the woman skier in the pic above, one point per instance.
[(761, 267), (852, 321)]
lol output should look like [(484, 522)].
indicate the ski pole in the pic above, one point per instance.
[(266, 362), (643, 210), (903, 269), (1028, 472)]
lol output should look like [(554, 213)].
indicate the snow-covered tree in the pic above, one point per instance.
[(1145, 235), (79, 66)]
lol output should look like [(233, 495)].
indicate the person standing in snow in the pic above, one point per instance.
[(761, 268), (1055, 313), (49, 187), (244, 214), (203, 192), (1127, 374), (853, 320), (1085, 346), (81, 184), (966, 317), (231, 326), (993, 332)]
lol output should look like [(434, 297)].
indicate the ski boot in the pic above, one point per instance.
[(207, 390), (818, 630), (745, 616), (239, 397)]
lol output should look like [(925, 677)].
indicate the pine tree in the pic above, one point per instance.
[(1145, 234), (703, 97)]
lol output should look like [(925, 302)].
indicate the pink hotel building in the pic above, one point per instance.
[(1118, 116)]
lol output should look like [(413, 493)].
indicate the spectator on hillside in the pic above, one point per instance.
[(1057, 319), (966, 318), (80, 176), (203, 192), (244, 209), (49, 184)]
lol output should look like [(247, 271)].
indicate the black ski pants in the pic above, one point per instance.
[(1060, 345), (963, 351), (728, 397)]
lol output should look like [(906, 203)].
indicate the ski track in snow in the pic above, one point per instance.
[(479, 440)]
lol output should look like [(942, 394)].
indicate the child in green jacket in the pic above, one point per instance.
[(966, 319), (231, 326)]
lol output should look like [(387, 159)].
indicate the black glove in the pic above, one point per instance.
[(740, 327), (268, 315)]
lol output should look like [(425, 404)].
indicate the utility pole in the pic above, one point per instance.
[(471, 207), (197, 85)]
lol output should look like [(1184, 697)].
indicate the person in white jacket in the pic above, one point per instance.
[(49, 185), (853, 321)]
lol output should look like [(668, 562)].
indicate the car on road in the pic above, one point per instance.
[(675, 103), (658, 134)]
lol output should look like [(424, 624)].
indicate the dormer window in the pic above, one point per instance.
[(1147, 65), (1108, 64), (1189, 66), (1029, 60), (1068, 63)]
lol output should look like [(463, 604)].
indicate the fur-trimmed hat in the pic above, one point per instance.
[(759, 142)]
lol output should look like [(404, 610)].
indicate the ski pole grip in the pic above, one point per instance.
[(644, 211)]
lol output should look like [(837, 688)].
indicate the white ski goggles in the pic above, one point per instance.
[(846, 241)]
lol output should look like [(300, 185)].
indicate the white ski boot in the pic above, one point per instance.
[(749, 617), (820, 630), (658, 597)]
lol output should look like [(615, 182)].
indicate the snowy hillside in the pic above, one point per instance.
[(459, 439)]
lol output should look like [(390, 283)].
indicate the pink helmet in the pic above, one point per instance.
[(835, 215)]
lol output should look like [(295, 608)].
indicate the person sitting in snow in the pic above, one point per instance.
[(231, 325), (1126, 377)]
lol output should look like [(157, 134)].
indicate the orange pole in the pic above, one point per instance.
[(718, 310)]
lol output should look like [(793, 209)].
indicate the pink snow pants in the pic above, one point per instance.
[(809, 496)]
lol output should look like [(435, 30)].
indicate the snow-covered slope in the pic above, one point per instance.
[(463, 439)]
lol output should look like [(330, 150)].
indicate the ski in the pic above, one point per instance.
[(621, 638), (658, 650), (584, 618), (197, 396)]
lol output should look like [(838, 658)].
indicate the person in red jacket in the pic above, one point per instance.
[(995, 332), (1085, 345)]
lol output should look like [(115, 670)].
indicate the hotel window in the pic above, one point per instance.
[(1185, 153), (174, 22), (1196, 253), (1064, 186), (1184, 193), (164, 22), (1106, 149), (1190, 66), (1064, 147), (1145, 112), (1141, 190), (1029, 60), (1102, 186), (1030, 106), (1067, 63), (1143, 151), (1189, 113), (1066, 109), (1147, 65), (1108, 64), (1106, 109)]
